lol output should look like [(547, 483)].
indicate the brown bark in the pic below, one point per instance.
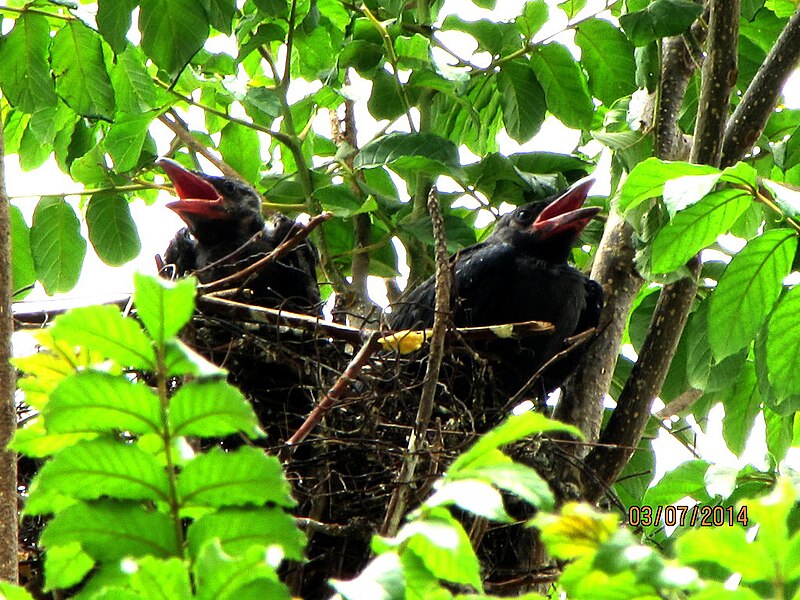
[(627, 424), (761, 97), (8, 415)]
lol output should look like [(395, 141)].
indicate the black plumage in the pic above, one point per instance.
[(226, 232), (520, 273)]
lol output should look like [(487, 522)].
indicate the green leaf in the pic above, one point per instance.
[(473, 119), (102, 403), (220, 14), (134, 89), (164, 307), (409, 152), (79, 68), (315, 52), (239, 528), (219, 576), (443, 546), (383, 578), (488, 34), (748, 290), (56, 244), (111, 530), (511, 477), (244, 476), (114, 22), (262, 104), (564, 85), (14, 592), (572, 7), (731, 551), (779, 433), (385, 101), (607, 56), (173, 31), (524, 106), (475, 496), (662, 18), (103, 329), (241, 149), (65, 566), (24, 71), (125, 139), (23, 271), (683, 192), (180, 359), (513, 429), (211, 409), (105, 467), (647, 180), (111, 229), (342, 201), (741, 408), (534, 15), (693, 229), (687, 479), (156, 578), (413, 52), (39, 136), (783, 333)]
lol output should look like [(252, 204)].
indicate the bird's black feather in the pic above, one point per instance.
[(515, 275)]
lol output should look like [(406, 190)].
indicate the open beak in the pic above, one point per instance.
[(566, 212), (198, 198)]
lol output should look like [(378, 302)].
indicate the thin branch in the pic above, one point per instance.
[(334, 394), (278, 135), (9, 558), (416, 442), (136, 187), (761, 97), (181, 130)]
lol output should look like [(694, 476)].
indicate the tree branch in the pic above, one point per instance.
[(761, 97), (627, 422), (416, 442), (719, 76), (181, 130), (677, 67), (9, 559)]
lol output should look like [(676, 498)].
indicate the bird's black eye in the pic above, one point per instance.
[(228, 188), (523, 215)]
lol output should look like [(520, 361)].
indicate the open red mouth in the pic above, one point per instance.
[(198, 198), (566, 212)]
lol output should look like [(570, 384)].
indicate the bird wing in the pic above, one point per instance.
[(182, 253), (475, 270), (590, 317)]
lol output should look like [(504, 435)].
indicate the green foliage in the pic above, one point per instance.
[(134, 508)]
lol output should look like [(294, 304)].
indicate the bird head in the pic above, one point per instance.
[(548, 229), (213, 207)]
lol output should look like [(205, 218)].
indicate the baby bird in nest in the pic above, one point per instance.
[(226, 232)]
